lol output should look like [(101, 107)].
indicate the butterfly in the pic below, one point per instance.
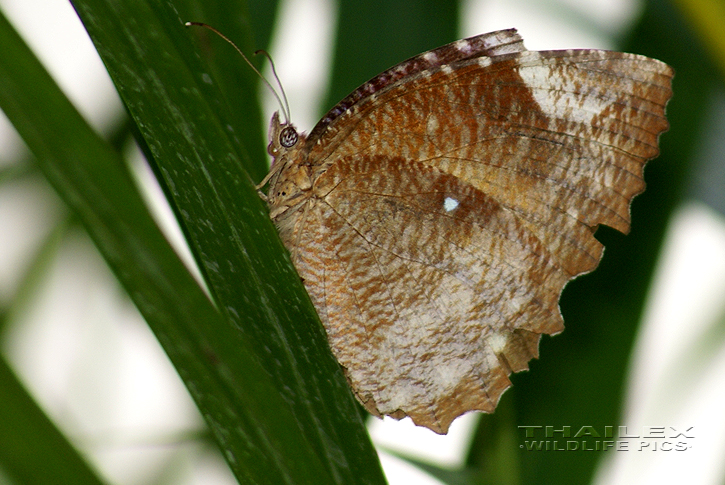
[(437, 212)]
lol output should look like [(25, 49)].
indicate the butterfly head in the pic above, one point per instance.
[(289, 179), (283, 137)]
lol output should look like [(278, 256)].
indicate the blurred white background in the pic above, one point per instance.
[(82, 349)]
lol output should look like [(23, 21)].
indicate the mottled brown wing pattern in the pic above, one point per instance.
[(415, 273), (436, 213)]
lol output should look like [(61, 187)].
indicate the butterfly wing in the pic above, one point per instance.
[(452, 204), (561, 137), (429, 308)]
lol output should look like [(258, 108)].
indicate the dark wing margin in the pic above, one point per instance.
[(490, 44)]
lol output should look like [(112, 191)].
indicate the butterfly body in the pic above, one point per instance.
[(437, 212)]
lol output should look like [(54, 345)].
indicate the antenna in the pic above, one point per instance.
[(284, 106), (288, 115)]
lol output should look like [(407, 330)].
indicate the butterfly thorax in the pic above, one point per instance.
[(290, 181)]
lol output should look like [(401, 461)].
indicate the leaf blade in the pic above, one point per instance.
[(260, 434)]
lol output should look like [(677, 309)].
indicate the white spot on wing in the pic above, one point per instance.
[(497, 342), (450, 204), (463, 45), (430, 57), (484, 61)]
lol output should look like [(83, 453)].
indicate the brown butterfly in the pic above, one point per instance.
[(436, 213)]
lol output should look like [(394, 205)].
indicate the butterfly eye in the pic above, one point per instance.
[(288, 137)]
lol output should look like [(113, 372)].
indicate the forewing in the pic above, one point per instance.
[(560, 138)]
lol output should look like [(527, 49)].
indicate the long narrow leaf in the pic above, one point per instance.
[(178, 106), (33, 450), (253, 423)]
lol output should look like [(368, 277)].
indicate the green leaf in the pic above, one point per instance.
[(33, 450), (260, 373)]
